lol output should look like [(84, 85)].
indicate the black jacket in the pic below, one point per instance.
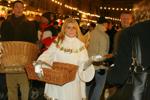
[(18, 29), (124, 53)]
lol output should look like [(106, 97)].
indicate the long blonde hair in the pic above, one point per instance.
[(141, 11), (61, 35)]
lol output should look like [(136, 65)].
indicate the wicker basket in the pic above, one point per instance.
[(16, 55), (60, 73)]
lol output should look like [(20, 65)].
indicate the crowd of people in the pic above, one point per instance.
[(74, 44)]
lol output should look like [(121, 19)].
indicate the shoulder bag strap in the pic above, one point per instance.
[(139, 74), (136, 55)]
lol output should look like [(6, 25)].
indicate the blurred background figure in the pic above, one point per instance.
[(126, 21), (123, 52), (87, 35), (98, 45), (18, 28), (47, 32), (123, 57), (37, 21), (84, 29), (111, 31), (91, 26), (1, 20)]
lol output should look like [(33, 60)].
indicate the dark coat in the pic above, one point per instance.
[(18, 29), (124, 53)]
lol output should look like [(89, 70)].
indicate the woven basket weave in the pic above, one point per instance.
[(60, 73), (16, 55)]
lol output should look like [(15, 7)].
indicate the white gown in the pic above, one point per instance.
[(74, 90)]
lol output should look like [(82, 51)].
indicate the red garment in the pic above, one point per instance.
[(47, 42), (44, 26)]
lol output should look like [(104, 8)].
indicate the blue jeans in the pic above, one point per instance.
[(95, 88)]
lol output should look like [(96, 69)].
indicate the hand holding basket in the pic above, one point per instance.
[(58, 74)]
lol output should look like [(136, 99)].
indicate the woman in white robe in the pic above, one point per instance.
[(68, 48)]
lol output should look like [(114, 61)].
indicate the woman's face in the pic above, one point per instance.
[(70, 30)]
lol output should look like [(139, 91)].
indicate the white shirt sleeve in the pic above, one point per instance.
[(88, 74), (48, 56), (85, 75), (46, 34)]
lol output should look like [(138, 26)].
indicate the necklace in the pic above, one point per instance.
[(69, 50)]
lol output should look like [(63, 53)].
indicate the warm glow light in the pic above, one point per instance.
[(116, 9), (85, 14)]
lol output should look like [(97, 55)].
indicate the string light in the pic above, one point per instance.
[(115, 9), (76, 9), (93, 15), (80, 11), (57, 2)]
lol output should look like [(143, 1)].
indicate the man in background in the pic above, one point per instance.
[(98, 45), (17, 28), (126, 20)]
